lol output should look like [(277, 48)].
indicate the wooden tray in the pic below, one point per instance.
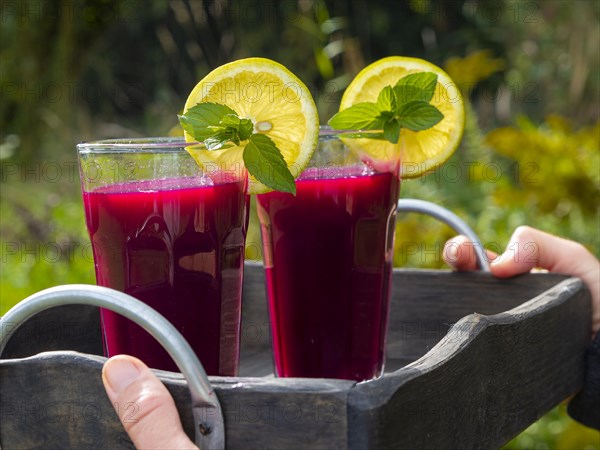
[(472, 361)]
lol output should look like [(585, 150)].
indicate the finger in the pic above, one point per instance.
[(529, 248), (459, 252), (143, 404)]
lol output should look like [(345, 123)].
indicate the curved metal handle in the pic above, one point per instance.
[(450, 219), (208, 417)]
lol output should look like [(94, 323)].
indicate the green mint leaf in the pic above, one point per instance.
[(243, 127), (417, 116), (391, 131), (385, 116), (203, 120), (246, 129), (416, 86), (265, 162), (386, 100), (362, 116), (218, 140), (230, 120), (406, 105), (236, 127), (199, 133)]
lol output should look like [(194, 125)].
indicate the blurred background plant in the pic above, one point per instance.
[(92, 69)]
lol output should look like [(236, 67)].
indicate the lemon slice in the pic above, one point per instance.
[(276, 101), (420, 151)]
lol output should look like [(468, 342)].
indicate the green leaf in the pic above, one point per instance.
[(241, 129), (265, 162), (385, 116), (362, 116), (417, 116), (416, 86), (246, 129), (386, 100), (203, 120), (218, 140), (391, 131), (230, 120)]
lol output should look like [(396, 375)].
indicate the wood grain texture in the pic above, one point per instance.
[(68, 327), (484, 382), (56, 400), (487, 358)]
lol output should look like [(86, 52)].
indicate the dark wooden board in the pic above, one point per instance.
[(484, 382), (494, 356), (422, 312), (67, 327), (56, 400)]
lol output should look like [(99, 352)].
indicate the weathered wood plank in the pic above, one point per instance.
[(486, 380), (424, 305), (69, 327), (56, 400), (490, 376)]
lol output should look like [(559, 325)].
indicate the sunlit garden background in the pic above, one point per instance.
[(91, 69)]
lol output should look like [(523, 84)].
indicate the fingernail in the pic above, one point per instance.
[(504, 258), (120, 373), (451, 253)]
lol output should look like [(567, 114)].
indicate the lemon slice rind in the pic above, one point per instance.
[(278, 103), (422, 151)]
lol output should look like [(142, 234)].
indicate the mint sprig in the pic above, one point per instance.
[(219, 127), (404, 105)]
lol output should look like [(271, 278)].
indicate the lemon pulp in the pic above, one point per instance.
[(277, 102), (420, 151)]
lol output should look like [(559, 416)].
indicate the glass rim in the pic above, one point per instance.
[(161, 144), (127, 145)]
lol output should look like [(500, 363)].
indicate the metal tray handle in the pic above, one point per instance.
[(208, 417), (450, 219)]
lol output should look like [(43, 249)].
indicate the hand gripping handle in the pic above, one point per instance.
[(208, 417), (449, 218)]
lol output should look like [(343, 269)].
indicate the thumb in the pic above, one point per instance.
[(143, 404)]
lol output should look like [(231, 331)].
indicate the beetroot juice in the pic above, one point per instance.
[(178, 246), (328, 259)]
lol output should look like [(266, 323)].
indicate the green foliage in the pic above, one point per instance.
[(546, 175), (557, 184), (44, 240), (94, 69), (556, 431)]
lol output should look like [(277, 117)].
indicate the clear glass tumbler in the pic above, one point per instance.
[(171, 236), (328, 260)]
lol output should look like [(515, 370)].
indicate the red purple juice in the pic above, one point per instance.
[(178, 246), (328, 259)]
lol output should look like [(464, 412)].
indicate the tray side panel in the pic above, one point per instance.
[(419, 317), (426, 303), (56, 400), (67, 327), (486, 381)]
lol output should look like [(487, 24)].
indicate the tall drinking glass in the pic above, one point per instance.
[(328, 259), (172, 237)]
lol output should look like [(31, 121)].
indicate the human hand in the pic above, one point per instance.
[(529, 248), (127, 381)]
